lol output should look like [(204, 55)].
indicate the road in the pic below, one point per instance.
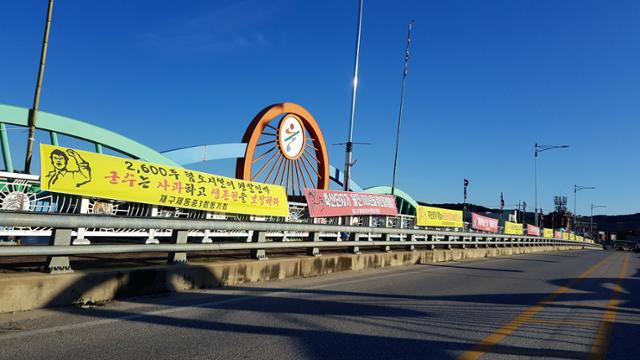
[(575, 305)]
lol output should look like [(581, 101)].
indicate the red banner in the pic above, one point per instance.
[(484, 223), (557, 234), (326, 203), (533, 230)]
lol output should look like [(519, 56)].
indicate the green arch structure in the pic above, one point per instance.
[(405, 203), (60, 125)]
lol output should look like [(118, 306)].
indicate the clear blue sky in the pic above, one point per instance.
[(487, 79)]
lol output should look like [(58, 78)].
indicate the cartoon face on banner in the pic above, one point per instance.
[(291, 137)]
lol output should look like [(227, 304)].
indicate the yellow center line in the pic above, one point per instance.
[(601, 343), (488, 342)]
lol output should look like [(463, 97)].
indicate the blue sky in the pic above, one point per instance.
[(487, 79)]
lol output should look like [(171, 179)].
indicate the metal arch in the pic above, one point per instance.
[(402, 197), (255, 129), (78, 129), (202, 153)]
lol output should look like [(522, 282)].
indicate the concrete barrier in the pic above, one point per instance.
[(27, 291)]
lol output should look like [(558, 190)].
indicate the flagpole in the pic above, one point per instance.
[(36, 98), (349, 144), (404, 78)]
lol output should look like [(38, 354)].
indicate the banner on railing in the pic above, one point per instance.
[(533, 230), (511, 228), (327, 203), (565, 236), (557, 234), (548, 233), (90, 174), (437, 217), (484, 223)]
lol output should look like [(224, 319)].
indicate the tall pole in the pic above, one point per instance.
[(535, 177), (349, 144), (575, 201), (36, 98), (404, 78), (591, 222), (538, 149)]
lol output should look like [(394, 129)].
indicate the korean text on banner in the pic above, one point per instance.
[(484, 223), (557, 234), (85, 173), (533, 230), (431, 216), (326, 203), (511, 228), (548, 233)]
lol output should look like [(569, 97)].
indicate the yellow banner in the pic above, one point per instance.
[(565, 236), (431, 216), (548, 233), (579, 238), (90, 174), (511, 228)]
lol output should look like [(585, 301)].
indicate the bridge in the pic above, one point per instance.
[(405, 281)]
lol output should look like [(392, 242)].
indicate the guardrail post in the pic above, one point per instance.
[(151, 239), (259, 254), (313, 251), (386, 248), (80, 232), (411, 247), (430, 238), (59, 264), (447, 239), (178, 237), (354, 238)]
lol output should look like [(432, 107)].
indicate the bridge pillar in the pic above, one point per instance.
[(59, 264), (178, 237)]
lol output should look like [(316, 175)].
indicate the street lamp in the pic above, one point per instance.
[(593, 206), (539, 149), (577, 188)]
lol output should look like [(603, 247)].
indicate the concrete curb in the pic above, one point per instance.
[(21, 292)]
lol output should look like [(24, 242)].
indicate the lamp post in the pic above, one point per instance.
[(539, 149), (349, 144), (593, 206), (577, 188)]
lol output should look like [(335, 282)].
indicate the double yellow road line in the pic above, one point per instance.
[(599, 348)]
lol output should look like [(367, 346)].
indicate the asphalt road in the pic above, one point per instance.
[(575, 305)]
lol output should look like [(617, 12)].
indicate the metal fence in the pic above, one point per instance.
[(265, 235)]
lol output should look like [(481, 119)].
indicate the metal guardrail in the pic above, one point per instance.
[(64, 224)]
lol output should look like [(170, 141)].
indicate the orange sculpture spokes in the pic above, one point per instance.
[(285, 146)]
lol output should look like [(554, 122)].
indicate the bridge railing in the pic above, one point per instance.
[(60, 246)]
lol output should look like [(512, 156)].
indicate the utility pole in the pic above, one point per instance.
[(404, 78), (36, 98), (349, 144)]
